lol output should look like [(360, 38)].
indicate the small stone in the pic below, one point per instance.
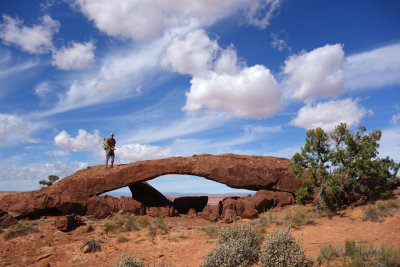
[(41, 257)]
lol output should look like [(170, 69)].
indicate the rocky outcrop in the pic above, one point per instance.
[(183, 204), (72, 194), (6, 220), (68, 222), (246, 207), (102, 206)]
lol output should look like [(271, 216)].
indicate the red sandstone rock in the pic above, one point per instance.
[(228, 216), (167, 211), (72, 194), (6, 220), (183, 204), (228, 203), (102, 206), (68, 222), (210, 213)]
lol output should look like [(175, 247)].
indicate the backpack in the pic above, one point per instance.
[(105, 140)]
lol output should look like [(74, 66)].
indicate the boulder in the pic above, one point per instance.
[(183, 204), (262, 200), (229, 215), (72, 194), (228, 203), (210, 213), (102, 206), (68, 222), (6, 220), (167, 211), (148, 195)]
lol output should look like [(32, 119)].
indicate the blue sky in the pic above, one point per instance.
[(177, 78)]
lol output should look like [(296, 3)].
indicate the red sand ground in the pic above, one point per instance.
[(185, 244)]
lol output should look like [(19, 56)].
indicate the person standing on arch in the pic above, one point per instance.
[(110, 150)]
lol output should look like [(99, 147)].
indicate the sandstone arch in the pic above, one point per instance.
[(71, 194)]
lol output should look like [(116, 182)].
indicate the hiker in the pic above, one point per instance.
[(110, 147)]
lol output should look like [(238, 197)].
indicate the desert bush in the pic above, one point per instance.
[(381, 209), (387, 256), (152, 231), (160, 223), (129, 223), (111, 226), (327, 253), (237, 246), (301, 217), (144, 222), (128, 261), (91, 246), (20, 232), (211, 231), (122, 239), (280, 249), (343, 167)]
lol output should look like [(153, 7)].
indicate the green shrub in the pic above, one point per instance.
[(343, 167), (111, 226), (122, 239), (327, 253), (144, 222), (161, 224), (129, 223), (237, 246), (301, 217), (128, 261), (371, 213), (211, 231), (51, 179), (388, 256), (280, 249)]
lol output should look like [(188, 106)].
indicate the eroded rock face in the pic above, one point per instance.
[(210, 213), (166, 211), (72, 194), (6, 220), (102, 206), (183, 204)]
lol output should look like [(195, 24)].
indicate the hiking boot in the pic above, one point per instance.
[(105, 168), (111, 167)]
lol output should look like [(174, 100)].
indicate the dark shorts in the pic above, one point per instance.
[(109, 153)]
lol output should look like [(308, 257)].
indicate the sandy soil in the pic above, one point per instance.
[(185, 244)]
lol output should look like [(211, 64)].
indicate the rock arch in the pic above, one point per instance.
[(71, 194)]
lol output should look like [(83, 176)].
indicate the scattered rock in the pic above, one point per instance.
[(89, 228), (228, 203), (183, 204), (210, 213), (41, 257), (91, 246), (161, 211), (102, 206), (68, 222)]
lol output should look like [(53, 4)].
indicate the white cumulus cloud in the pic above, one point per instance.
[(390, 144), (149, 19), (315, 73), (84, 141), (35, 40), (192, 54), (137, 152), (372, 69), (328, 115), (251, 93), (15, 128), (78, 56)]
